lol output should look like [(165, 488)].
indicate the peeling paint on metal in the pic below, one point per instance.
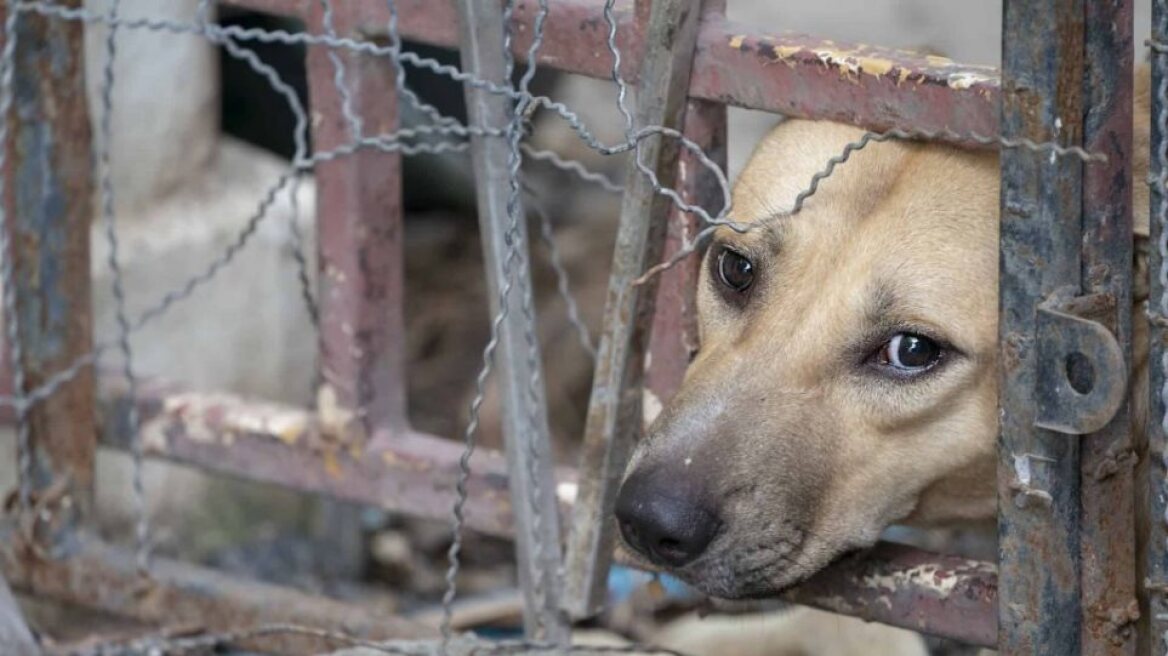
[(650, 406), (204, 416), (334, 419), (928, 577), (566, 492)]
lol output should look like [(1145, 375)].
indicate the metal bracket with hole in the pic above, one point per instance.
[(1081, 374)]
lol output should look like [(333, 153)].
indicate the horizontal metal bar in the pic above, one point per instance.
[(893, 584), (103, 577), (876, 88), (414, 474)]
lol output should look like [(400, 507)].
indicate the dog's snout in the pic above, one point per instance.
[(664, 519)]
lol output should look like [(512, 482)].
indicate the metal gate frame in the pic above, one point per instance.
[(1067, 521)]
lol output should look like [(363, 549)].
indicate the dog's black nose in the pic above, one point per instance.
[(663, 518)]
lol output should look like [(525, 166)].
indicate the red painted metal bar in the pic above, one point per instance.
[(736, 64), (674, 338), (413, 474), (204, 600), (359, 221), (47, 202)]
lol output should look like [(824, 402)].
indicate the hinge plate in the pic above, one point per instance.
[(1081, 373)]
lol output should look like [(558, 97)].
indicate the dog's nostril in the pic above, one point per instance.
[(660, 521)]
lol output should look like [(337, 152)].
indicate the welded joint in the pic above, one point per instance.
[(1081, 373)]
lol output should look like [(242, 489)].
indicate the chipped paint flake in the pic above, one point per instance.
[(210, 417), (334, 418), (927, 576), (566, 492), (965, 80), (650, 407)]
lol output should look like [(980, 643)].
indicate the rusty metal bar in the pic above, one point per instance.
[(1108, 457), (1038, 471), (105, 578), (735, 64), (1156, 461), (615, 409), (918, 590), (359, 226), (285, 445), (47, 197), (674, 337), (503, 229), (1066, 517)]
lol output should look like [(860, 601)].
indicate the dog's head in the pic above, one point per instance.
[(846, 378)]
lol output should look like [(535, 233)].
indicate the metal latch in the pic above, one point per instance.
[(1081, 373)]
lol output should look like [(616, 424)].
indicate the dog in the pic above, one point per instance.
[(847, 375)]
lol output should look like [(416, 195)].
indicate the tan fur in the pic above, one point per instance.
[(810, 453)]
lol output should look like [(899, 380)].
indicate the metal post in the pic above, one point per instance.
[(615, 411), (504, 235), (359, 233), (1038, 470), (674, 338), (361, 398), (1107, 495), (1065, 513), (47, 202)]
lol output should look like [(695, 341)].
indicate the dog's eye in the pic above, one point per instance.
[(735, 270), (909, 353)]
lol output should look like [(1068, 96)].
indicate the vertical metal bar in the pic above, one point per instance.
[(674, 337), (615, 410), (1038, 471), (359, 234), (1157, 420), (47, 197), (1107, 494), (525, 429), (361, 398)]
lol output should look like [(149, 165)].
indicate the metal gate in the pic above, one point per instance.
[(1067, 580)]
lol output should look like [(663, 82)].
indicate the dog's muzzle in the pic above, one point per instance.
[(665, 518)]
